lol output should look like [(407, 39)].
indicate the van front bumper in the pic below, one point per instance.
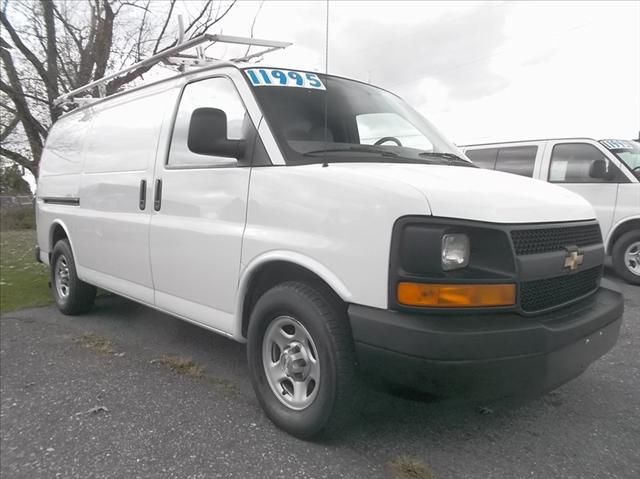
[(484, 355)]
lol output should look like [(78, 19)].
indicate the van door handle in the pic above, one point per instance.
[(157, 198), (143, 194)]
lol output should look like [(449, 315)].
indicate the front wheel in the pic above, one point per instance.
[(72, 295), (301, 360), (626, 257)]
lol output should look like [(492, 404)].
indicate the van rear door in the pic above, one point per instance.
[(112, 236)]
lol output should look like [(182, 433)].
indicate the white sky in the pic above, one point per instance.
[(480, 71)]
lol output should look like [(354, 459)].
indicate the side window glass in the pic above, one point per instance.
[(484, 157), (217, 93), (581, 163), (519, 160)]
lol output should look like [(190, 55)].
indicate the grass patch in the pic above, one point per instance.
[(23, 281), (223, 385), (22, 218), (184, 366), (95, 343), (403, 467), (188, 367)]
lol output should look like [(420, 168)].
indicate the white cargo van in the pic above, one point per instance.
[(356, 242), (606, 173)]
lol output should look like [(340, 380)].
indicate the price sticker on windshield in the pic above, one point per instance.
[(287, 78), (617, 144)]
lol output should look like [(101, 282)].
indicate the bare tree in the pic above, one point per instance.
[(50, 47)]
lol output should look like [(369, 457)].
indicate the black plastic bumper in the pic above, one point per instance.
[(483, 355)]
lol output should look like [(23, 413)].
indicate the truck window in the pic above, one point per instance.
[(519, 160), (571, 163), (483, 157), (218, 93)]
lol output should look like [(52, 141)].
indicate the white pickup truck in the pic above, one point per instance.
[(606, 173), (329, 226)]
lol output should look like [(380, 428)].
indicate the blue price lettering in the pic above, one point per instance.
[(287, 78)]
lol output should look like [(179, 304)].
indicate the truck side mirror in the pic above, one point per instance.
[(208, 134), (598, 169)]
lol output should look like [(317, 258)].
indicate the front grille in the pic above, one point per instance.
[(547, 293), (544, 240)]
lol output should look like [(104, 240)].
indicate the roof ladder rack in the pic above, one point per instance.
[(174, 56)]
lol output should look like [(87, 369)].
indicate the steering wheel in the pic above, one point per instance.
[(637, 168), (387, 138)]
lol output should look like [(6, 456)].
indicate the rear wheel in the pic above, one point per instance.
[(72, 295), (626, 257), (301, 360)]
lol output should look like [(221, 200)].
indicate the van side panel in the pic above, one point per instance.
[(112, 234), (59, 177)]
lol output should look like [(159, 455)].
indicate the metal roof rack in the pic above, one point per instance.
[(174, 56)]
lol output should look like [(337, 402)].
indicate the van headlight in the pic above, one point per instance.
[(455, 252)]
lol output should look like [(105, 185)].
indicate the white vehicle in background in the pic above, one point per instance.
[(606, 173), (356, 241)]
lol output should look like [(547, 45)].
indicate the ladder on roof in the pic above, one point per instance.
[(175, 56)]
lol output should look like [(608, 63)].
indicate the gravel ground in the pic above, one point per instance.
[(83, 397)]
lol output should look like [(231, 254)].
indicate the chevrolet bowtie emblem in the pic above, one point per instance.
[(573, 259)]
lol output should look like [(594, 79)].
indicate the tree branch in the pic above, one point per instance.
[(164, 27), (70, 29), (20, 159), (9, 128), (86, 59), (8, 108), (104, 39), (132, 75), (29, 55), (32, 127), (52, 57), (206, 7), (208, 24)]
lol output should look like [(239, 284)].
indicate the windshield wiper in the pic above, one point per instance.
[(451, 158), (390, 155), (359, 149)]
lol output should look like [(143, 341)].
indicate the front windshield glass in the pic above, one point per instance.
[(627, 151), (363, 124)]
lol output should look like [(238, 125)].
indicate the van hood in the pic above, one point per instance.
[(479, 194)]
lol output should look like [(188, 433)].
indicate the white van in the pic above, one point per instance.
[(606, 173), (356, 242)]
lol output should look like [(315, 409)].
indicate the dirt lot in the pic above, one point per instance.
[(128, 392)]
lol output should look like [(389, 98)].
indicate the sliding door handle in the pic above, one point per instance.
[(157, 197), (142, 203)]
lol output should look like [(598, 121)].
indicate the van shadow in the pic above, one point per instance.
[(383, 413)]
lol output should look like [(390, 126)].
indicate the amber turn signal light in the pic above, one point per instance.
[(456, 295)]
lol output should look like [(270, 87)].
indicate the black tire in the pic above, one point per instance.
[(326, 322), (80, 296), (618, 256)]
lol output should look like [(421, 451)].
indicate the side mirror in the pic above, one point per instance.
[(598, 169), (208, 134)]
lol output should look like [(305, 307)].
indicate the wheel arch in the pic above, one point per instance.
[(274, 268), (57, 231), (620, 228)]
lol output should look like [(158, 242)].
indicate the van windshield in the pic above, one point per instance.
[(628, 152), (363, 123)]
